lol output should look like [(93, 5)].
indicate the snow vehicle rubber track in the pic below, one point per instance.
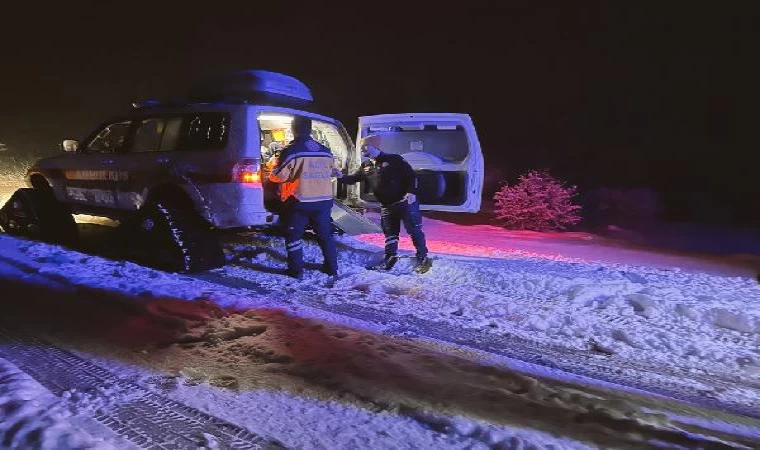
[(143, 417), (34, 213), (172, 238)]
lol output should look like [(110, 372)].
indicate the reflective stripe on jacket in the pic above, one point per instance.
[(304, 171)]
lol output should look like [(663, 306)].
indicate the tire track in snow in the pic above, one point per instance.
[(669, 384), (596, 286), (539, 353), (623, 303), (609, 283), (145, 418), (652, 330)]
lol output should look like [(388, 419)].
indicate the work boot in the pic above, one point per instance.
[(294, 274), (423, 264), (327, 270), (386, 264)]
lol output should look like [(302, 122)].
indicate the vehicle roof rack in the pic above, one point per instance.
[(251, 85), (259, 87), (148, 103)]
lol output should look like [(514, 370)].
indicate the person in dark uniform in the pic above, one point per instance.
[(394, 183)]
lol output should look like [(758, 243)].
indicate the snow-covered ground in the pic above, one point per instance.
[(272, 355)]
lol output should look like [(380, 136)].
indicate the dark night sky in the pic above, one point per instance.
[(659, 94)]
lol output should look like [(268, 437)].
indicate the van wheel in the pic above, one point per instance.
[(37, 214), (172, 239)]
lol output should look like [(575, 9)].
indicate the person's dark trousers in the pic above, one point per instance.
[(298, 216), (391, 218)]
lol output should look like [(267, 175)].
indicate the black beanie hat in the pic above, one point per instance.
[(301, 126)]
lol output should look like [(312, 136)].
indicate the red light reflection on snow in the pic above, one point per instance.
[(158, 321), (455, 248)]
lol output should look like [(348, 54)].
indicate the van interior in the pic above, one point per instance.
[(276, 133), (438, 153)]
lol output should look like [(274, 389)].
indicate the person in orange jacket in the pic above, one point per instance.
[(303, 171)]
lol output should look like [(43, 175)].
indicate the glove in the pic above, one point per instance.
[(411, 198), (272, 163), (337, 173)]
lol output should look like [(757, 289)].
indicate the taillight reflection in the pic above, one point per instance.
[(251, 177)]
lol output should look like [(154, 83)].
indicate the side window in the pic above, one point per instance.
[(148, 135), (157, 134), (204, 131), (110, 139), (171, 134)]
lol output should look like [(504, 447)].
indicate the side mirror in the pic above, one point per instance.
[(70, 145)]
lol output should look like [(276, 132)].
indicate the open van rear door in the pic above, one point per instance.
[(442, 148)]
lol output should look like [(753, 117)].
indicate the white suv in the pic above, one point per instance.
[(177, 171)]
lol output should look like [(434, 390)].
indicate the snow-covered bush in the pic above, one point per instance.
[(12, 173), (12, 167), (537, 202)]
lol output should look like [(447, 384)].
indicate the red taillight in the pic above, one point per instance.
[(251, 177), (246, 171)]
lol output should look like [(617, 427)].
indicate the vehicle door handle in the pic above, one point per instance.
[(109, 161)]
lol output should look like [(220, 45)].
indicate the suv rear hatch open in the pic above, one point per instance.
[(442, 148)]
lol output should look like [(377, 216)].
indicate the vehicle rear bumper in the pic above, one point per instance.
[(234, 205)]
